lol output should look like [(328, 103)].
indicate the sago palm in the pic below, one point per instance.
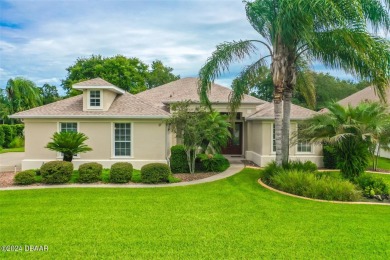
[(353, 131), (333, 32), (69, 144)]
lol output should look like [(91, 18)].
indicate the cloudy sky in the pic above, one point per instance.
[(39, 39)]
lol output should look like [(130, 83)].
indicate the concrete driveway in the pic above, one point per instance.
[(8, 161)]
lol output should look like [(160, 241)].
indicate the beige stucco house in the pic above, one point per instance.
[(126, 127)]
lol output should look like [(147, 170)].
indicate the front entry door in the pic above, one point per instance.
[(234, 145)]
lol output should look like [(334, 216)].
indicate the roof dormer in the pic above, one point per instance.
[(98, 94)]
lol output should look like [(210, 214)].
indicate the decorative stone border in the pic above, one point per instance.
[(329, 201)]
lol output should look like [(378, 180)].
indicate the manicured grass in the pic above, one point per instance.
[(383, 163), (12, 150), (233, 218)]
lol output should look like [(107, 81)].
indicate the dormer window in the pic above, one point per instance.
[(95, 99)]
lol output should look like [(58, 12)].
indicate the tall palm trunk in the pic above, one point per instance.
[(287, 96), (278, 70)]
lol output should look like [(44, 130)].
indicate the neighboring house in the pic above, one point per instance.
[(126, 127), (366, 95)]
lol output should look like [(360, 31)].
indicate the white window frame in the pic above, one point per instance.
[(131, 140), (272, 138), (89, 99), (297, 145), (60, 155)]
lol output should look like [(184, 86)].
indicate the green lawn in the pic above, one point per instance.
[(226, 219), (384, 163), (12, 150)]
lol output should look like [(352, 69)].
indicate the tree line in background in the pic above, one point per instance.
[(130, 74), (316, 94)]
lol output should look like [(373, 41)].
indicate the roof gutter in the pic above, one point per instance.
[(87, 116)]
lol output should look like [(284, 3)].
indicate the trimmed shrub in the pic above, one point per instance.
[(18, 130), (121, 172), (2, 136), (330, 157), (178, 161), (8, 135), (312, 186), (214, 163), (25, 177), (56, 172), (372, 185), (17, 142), (90, 172), (155, 173)]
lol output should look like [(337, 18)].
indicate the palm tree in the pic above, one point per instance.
[(217, 132), (22, 94), (354, 131), (69, 144), (293, 31)]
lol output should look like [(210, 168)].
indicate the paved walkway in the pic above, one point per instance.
[(233, 169), (8, 161)]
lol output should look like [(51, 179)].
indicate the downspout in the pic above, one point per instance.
[(167, 145)]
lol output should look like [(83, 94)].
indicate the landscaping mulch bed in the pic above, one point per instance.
[(7, 178), (193, 177)]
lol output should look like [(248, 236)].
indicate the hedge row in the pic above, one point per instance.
[(8, 134), (57, 172)]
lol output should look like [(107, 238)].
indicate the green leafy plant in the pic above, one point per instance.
[(313, 186), (90, 172), (330, 157), (25, 177), (69, 144), (178, 161), (372, 185), (213, 162), (121, 172), (56, 172), (155, 173), (8, 135), (2, 137), (17, 142)]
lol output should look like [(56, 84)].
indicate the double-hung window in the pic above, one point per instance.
[(303, 146), (95, 99), (122, 139), (68, 127), (273, 139)]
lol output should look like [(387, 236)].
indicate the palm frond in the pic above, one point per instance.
[(219, 62)]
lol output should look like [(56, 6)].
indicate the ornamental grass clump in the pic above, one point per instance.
[(311, 185)]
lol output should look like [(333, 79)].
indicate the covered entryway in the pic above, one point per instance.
[(234, 145)]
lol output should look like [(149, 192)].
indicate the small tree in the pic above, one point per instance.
[(198, 130), (69, 144)]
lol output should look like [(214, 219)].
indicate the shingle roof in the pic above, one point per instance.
[(367, 94), (96, 82), (187, 89), (124, 106), (266, 111)]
